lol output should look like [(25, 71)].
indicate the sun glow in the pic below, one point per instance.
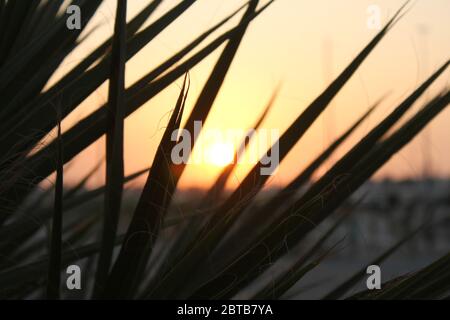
[(219, 154)]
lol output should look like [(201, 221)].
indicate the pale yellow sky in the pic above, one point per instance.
[(290, 43)]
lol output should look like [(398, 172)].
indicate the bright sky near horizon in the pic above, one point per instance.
[(301, 45)]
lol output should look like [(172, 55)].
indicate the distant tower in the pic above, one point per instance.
[(427, 164), (328, 115)]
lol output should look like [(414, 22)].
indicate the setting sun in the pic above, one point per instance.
[(219, 154)]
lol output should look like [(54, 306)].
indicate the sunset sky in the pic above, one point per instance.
[(300, 45)]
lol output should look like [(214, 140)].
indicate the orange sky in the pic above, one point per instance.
[(291, 43)]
